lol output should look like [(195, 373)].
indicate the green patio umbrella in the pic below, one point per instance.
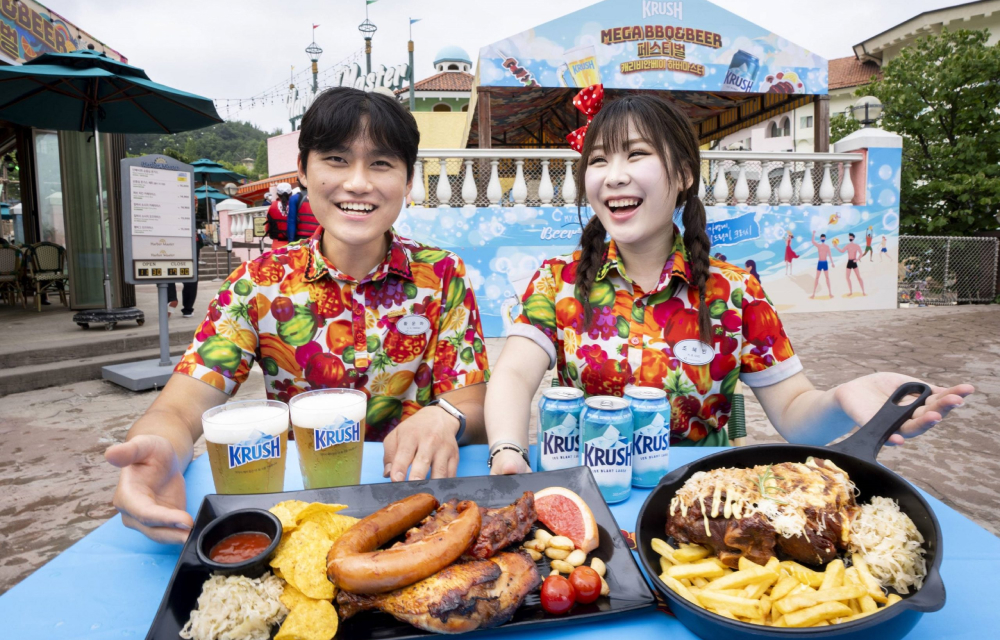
[(210, 192), (211, 171), (88, 91)]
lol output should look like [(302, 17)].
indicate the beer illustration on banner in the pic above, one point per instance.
[(329, 427), (607, 445), (559, 428), (246, 443), (742, 73), (650, 434), (581, 63)]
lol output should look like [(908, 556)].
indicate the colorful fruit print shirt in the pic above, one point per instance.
[(651, 338), (409, 331)]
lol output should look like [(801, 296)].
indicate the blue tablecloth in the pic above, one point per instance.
[(109, 584)]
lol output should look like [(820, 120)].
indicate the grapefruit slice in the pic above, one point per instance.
[(566, 514)]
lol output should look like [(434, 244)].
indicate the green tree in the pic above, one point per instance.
[(842, 126), (941, 96)]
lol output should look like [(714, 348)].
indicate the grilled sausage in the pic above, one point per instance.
[(355, 565)]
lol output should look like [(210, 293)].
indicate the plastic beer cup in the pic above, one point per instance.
[(581, 64), (329, 426), (246, 444)]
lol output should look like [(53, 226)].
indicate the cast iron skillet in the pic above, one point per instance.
[(855, 455)]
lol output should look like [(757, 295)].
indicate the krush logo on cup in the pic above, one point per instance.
[(263, 448), (343, 432)]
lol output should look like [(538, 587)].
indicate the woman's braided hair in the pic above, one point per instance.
[(671, 133)]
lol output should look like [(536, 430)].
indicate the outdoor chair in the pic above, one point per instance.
[(47, 271), (11, 273)]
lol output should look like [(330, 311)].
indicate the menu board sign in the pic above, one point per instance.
[(158, 203)]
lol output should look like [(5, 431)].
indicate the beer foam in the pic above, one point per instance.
[(319, 410), (231, 426)]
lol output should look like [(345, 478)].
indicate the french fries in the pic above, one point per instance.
[(777, 594)]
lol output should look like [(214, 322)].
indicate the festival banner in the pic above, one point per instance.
[(684, 45), (502, 247), (28, 29)]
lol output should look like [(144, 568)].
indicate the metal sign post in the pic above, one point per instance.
[(158, 224)]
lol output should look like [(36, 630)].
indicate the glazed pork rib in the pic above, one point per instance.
[(802, 509)]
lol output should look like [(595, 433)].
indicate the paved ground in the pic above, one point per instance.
[(55, 486)]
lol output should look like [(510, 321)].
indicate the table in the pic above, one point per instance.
[(109, 584)]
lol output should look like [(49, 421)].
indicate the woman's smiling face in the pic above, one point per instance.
[(631, 191)]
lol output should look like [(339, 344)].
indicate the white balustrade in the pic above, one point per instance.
[(469, 185), (493, 190), (444, 186), (742, 190), (826, 191), (721, 189), (806, 189), (569, 185), (785, 188), (846, 186), (545, 190), (520, 191), (417, 192), (764, 185), (729, 178)]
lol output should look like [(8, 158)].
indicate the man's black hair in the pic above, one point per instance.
[(339, 115), (822, 235), (851, 236)]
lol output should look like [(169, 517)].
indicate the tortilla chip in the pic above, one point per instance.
[(292, 597), (312, 620), (333, 524), (302, 561), (287, 511), (317, 507)]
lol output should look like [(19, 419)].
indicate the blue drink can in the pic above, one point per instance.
[(559, 428), (607, 445), (650, 434), (742, 74)]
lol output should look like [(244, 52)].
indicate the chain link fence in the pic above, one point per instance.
[(939, 270)]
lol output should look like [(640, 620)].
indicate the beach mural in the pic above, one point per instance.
[(503, 246)]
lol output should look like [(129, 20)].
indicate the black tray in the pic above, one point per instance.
[(629, 591)]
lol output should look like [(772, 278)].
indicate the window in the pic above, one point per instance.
[(452, 67), (773, 131), (786, 127), (806, 122), (465, 107), (442, 106)]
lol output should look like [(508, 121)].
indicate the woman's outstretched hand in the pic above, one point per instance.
[(862, 397)]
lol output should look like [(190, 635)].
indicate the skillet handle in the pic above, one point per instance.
[(930, 597), (868, 440)]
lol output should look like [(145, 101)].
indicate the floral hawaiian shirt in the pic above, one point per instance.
[(651, 338), (407, 332)]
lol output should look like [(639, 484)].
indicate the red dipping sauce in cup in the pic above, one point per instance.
[(239, 547)]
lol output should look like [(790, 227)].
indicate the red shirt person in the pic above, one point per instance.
[(277, 217)]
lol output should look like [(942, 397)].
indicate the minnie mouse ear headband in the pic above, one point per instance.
[(589, 101)]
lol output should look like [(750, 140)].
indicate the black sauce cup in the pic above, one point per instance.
[(242, 521)]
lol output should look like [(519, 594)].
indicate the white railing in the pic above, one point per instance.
[(242, 219), (537, 177)]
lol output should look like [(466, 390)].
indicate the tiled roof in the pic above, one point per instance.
[(444, 81), (851, 72)]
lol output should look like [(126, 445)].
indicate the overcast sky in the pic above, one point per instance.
[(236, 49)]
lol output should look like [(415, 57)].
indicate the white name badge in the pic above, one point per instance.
[(694, 352), (413, 325)]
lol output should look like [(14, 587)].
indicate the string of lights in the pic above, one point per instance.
[(232, 108)]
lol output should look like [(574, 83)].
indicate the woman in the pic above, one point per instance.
[(646, 308), (789, 253)]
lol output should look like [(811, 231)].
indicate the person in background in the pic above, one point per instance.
[(190, 291), (751, 266), (302, 224), (277, 217)]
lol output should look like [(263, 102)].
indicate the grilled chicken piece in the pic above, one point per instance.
[(463, 597), (500, 527)]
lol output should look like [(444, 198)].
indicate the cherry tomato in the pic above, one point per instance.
[(586, 583), (558, 595)]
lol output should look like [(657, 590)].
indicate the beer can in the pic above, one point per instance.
[(559, 428), (742, 73), (650, 434), (247, 442), (606, 445)]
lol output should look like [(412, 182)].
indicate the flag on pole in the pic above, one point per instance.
[(412, 20), (315, 26), (368, 2)]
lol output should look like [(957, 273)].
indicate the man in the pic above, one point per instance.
[(825, 256), (277, 217), (354, 306), (868, 245), (853, 250), (302, 223)]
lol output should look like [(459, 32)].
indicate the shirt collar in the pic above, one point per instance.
[(676, 265), (396, 262)]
